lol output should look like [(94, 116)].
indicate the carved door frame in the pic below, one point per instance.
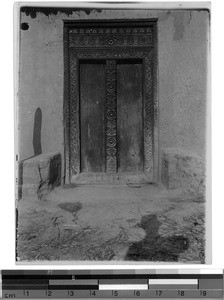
[(110, 40)]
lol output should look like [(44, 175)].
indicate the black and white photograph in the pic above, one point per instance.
[(113, 132)]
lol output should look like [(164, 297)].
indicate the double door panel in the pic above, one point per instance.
[(129, 116)]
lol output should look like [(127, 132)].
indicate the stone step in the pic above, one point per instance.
[(118, 178)]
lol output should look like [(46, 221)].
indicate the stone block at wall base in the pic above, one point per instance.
[(39, 175), (184, 170)]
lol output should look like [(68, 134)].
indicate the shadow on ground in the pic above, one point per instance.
[(112, 223), (156, 248)]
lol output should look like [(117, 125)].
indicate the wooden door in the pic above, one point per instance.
[(92, 110), (130, 116), (111, 125)]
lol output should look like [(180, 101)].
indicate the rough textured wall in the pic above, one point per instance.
[(183, 42), (182, 84)]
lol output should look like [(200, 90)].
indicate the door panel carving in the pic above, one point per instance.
[(111, 117)]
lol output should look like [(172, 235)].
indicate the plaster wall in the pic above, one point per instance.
[(183, 45)]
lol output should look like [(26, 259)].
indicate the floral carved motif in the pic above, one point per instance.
[(74, 117), (148, 124), (109, 41), (111, 117), (112, 30), (111, 53), (67, 108), (110, 37)]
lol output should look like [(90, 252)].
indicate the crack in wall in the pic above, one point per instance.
[(179, 26), (190, 18)]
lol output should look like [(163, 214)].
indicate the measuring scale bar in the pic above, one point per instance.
[(111, 284)]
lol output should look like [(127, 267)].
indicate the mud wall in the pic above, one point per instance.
[(183, 45)]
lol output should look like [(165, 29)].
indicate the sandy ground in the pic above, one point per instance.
[(111, 223)]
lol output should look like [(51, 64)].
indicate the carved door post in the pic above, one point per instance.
[(111, 117)]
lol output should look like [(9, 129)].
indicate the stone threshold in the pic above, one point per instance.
[(106, 178)]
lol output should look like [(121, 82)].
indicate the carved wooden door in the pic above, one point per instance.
[(122, 122), (110, 99)]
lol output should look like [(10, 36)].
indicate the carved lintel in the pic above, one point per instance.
[(101, 41), (127, 36), (112, 30), (111, 117), (120, 53)]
